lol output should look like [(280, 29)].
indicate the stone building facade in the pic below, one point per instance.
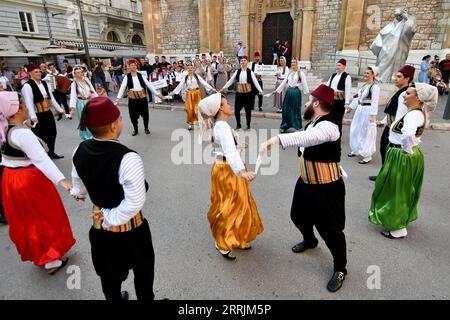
[(321, 31), (28, 26)]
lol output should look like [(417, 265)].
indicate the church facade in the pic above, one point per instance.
[(319, 31)]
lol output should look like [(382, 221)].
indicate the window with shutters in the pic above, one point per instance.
[(27, 22)]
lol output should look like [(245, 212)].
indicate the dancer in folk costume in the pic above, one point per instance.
[(81, 91), (395, 109), (292, 103), (38, 222), (363, 130), (39, 100), (282, 73), (233, 215), (114, 178), (399, 183), (246, 86), (137, 85), (192, 84), (319, 196)]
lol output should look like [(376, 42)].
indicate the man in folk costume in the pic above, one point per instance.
[(38, 98), (319, 196), (137, 97), (341, 83), (114, 178), (256, 61), (395, 109), (246, 85)]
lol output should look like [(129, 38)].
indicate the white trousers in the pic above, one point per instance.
[(363, 135)]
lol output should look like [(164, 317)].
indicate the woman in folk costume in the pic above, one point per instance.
[(38, 222), (233, 215), (399, 183), (81, 91), (153, 77), (363, 130), (292, 104), (222, 73), (281, 75), (192, 84)]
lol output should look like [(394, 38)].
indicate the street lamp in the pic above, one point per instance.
[(83, 34)]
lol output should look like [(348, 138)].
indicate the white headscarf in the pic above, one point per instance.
[(428, 95), (9, 105), (376, 71), (207, 110)]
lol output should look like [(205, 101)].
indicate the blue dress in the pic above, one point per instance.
[(423, 74)]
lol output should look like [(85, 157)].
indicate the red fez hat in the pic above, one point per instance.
[(131, 61), (245, 57), (408, 71), (32, 67), (343, 62), (257, 54), (324, 93), (100, 111)]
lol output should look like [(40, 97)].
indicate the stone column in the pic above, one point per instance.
[(297, 34), (353, 24), (211, 25), (151, 13), (307, 30), (244, 25)]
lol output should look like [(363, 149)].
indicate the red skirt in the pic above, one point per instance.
[(38, 222)]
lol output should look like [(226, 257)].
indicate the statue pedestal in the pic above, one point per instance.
[(387, 90)]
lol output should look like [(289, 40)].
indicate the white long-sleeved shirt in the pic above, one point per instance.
[(407, 139), (243, 79), (132, 179), (27, 141), (136, 86), (293, 81), (363, 92), (191, 84), (282, 75), (324, 131), (27, 94), (348, 86), (401, 109), (84, 89), (224, 136)]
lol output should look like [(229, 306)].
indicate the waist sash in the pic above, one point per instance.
[(40, 107), (133, 223), (319, 172)]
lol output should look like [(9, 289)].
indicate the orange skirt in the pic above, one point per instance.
[(233, 214), (193, 98), (38, 222)]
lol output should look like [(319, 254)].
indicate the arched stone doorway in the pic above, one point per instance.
[(275, 26), (254, 13)]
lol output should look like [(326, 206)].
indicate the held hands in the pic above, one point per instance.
[(72, 111), (98, 216), (249, 176), (268, 145), (348, 110), (65, 184), (261, 93)]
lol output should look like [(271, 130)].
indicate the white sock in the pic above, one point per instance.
[(53, 264), (399, 233)]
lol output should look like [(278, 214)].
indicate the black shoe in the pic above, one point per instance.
[(260, 109), (248, 128), (147, 131), (363, 162), (248, 246), (336, 281), (373, 178), (60, 116), (228, 255), (238, 127), (125, 296), (3, 220), (135, 132), (55, 156), (301, 247)]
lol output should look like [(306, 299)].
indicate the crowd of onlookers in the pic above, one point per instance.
[(436, 72)]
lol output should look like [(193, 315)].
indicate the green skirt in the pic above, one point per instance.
[(291, 115), (397, 189)]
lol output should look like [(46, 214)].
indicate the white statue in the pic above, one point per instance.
[(391, 46)]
